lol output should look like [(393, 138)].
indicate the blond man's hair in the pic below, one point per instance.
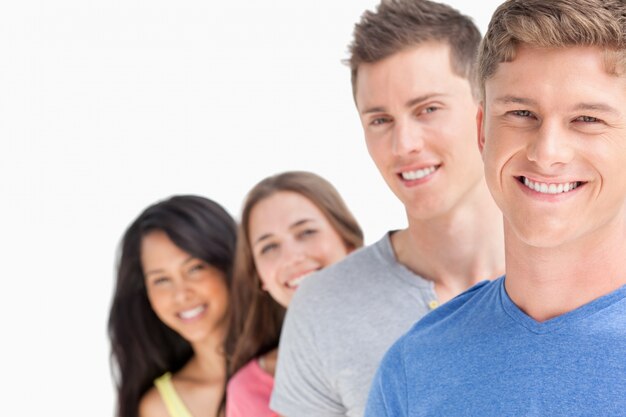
[(553, 24), (400, 24)]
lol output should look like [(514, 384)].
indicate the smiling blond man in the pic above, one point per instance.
[(549, 338)]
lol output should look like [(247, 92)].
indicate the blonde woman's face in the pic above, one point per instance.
[(291, 239)]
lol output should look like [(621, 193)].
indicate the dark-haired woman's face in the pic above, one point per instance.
[(187, 294), (290, 239)]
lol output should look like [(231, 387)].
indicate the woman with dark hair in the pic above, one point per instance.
[(168, 317), (292, 225)]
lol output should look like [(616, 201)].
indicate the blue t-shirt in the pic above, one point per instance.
[(480, 355)]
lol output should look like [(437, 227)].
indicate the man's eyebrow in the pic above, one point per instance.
[(601, 107), (515, 100), (412, 102), (420, 99)]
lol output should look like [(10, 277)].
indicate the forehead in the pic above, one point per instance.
[(157, 247), (412, 72), (557, 76), (279, 211)]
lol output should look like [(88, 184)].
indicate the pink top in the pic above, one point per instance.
[(248, 392)]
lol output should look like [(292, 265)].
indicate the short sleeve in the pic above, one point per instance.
[(302, 387), (388, 393)]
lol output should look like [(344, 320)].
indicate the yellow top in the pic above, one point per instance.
[(173, 403)]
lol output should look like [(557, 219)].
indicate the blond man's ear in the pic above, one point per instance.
[(480, 127)]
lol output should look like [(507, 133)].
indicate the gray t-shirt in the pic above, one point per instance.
[(339, 325)]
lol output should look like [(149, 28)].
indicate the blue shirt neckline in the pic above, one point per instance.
[(558, 322)]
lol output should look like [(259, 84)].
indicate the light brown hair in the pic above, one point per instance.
[(256, 318), (400, 24), (553, 24)]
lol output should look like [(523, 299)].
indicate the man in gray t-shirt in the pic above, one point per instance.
[(411, 63)]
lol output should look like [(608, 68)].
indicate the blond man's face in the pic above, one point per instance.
[(552, 133)]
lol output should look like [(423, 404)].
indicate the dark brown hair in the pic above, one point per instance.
[(142, 346), (256, 318), (400, 24)]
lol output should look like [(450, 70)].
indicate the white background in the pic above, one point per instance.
[(108, 106)]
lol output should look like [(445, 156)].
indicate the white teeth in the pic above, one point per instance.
[(419, 174), (295, 282), (189, 314), (545, 188)]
